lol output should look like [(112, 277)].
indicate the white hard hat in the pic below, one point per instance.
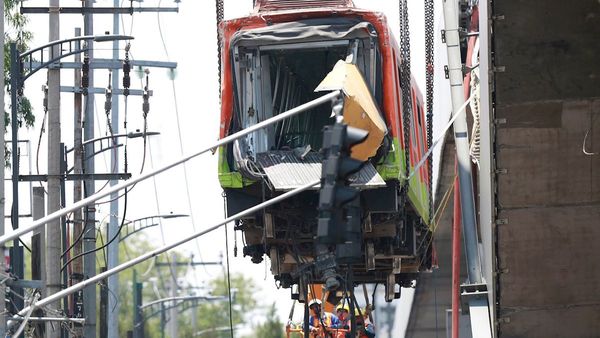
[(314, 301)]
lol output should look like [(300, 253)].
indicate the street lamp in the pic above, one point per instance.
[(131, 135), (66, 47), (17, 79), (145, 223)]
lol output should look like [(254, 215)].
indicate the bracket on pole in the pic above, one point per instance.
[(470, 292)]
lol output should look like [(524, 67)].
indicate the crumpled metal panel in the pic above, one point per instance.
[(274, 5), (285, 171)]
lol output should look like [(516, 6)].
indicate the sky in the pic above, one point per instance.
[(186, 113)]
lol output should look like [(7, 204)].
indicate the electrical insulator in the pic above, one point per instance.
[(126, 71), (45, 101), (126, 77), (146, 96), (146, 104), (108, 102), (85, 77)]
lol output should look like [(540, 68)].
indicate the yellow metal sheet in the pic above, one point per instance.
[(360, 109)]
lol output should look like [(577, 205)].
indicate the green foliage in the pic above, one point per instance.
[(209, 315), (272, 327), (215, 315), (16, 32)]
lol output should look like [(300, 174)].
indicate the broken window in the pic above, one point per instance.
[(278, 67)]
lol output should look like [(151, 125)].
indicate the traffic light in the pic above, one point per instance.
[(334, 218)]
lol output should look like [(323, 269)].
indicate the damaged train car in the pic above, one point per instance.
[(287, 53)]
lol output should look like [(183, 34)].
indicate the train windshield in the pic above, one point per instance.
[(278, 67)]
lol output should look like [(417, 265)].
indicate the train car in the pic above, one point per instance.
[(273, 60)]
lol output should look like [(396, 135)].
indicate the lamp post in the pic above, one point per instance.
[(137, 225), (145, 223), (56, 50), (67, 47)]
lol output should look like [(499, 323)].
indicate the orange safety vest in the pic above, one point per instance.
[(327, 319)]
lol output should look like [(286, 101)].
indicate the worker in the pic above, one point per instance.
[(343, 313), (365, 328), (320, 321)]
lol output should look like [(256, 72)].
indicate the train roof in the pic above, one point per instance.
[(285, 5)]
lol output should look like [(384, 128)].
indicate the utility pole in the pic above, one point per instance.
[(78, 226), (138, 320), (112, 317), (89, 237), (195, 318), (38, 268), (173, 319), (53, 243)]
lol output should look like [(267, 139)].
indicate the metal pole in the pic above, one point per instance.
[(93, 198), (16, 257), (461, 137), (103, 306), (53, 243), (113, 225), (38, 259), (89, 238), (173, 316), (138, 321), (195, 317), (487, 181), (156, 252), (53, 319), (478, 306), (163, 319), (456, 262), (63, 229)]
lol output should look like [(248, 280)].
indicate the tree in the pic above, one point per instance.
[(215, 315), (272, 327), (210, 316), (16, 32), (149, 275)]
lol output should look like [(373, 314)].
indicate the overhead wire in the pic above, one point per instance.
[(436, 217), (228, 280), (150, 254), (179, 133), (160, 224), (108, 243), (42, 131)]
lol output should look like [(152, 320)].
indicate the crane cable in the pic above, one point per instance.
[(220, 8), (405, 78), (429, 72)]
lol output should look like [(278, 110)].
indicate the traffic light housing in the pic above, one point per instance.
[(335, 221)]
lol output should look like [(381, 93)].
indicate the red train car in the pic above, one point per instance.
[(272, 60)]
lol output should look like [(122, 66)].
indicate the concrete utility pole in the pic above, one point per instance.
[(89, 238), (53, 243), (173, 321), (78, 226), (2, 196), (38, 245), (112, 317)]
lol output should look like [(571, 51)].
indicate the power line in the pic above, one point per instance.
[(179, 133), (153, 253), (228, 139), (108, 243)]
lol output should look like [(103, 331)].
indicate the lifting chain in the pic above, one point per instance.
[(405, 84), (429, 27), (220, 14)]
